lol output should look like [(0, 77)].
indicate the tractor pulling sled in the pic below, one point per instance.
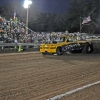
[(68, 43)]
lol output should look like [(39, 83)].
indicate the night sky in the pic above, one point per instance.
[(53, 6)]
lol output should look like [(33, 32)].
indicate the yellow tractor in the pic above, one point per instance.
[(67, 43)]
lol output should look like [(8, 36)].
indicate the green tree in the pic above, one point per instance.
[(81, 8)]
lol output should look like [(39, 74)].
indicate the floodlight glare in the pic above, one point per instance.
[(27, 3)]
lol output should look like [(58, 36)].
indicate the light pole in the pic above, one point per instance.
[(26, 5)]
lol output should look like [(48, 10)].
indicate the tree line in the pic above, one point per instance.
[(49, 22)]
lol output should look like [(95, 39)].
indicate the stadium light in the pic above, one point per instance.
[(26, 5)]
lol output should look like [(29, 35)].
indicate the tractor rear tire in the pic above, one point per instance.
[(88, 48)]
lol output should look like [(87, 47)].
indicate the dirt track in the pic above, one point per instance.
[(29, 76)]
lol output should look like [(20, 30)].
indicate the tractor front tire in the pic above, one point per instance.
[(44, 53), (59, 51)]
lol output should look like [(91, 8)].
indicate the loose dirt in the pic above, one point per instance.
[(32, 76)]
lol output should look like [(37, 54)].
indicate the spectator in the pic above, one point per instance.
[(15, 40)]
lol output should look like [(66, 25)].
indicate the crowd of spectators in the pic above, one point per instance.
[(14, 31)]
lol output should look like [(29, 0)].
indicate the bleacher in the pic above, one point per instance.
[(14, 31)]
